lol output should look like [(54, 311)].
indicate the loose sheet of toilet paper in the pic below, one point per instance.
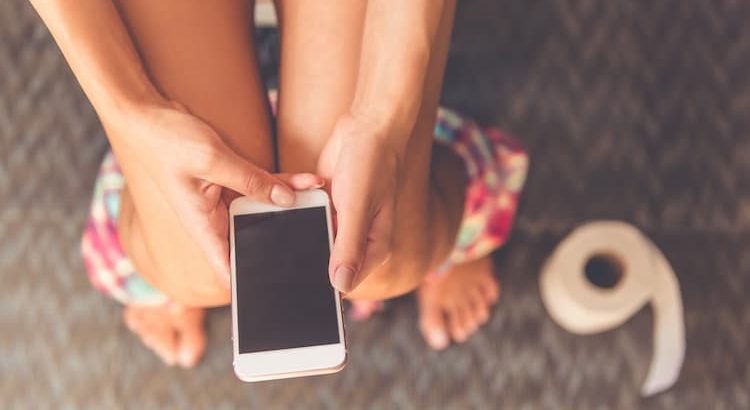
[(647, 277)]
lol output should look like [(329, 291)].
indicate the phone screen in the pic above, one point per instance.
[(284, 297)]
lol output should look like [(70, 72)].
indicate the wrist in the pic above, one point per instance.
[(390, 93), (390, 131), (132, 102), (390, 99), (130, 117)]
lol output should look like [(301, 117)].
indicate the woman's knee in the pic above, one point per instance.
[(154, 261), (415, 250), (402, 273)]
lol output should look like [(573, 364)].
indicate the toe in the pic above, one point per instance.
[(162, 342), (480, 308), (433, 327), (150, 324), (491, 290), (459, 323), (471, 323), (131, 318), (192, 341)]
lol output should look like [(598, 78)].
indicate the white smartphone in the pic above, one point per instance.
[(286, 316)]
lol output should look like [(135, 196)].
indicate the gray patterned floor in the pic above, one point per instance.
[(634, 110)]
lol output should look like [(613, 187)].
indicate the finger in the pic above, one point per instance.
[(362, 243), (229, 195), (379, 246), (349, 246), (211, 233), (234, 172), (217, 251), (302, 181)]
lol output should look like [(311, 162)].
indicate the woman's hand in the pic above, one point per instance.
[(364, 156), (191, 165), (364, 169)]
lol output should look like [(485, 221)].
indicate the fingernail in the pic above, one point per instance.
[(282, 196), (438, 339), (343, 278), (186, 358), (314, 181)]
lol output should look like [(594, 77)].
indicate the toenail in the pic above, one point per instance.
[(438, 339), (169, 360), (186, 358)]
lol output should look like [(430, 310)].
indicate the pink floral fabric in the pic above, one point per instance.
[(496, 165)]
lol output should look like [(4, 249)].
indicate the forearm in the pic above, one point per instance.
[(96, 44), (397, 45)]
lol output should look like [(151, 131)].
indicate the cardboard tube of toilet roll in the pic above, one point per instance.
[(646, 277)]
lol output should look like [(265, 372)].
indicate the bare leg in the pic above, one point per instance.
[(321, 44), (201, 55)]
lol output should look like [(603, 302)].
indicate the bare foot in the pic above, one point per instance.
[(454, 305), (175, 333)]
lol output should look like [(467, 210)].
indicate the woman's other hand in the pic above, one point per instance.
[(364, 170), (191, 165)]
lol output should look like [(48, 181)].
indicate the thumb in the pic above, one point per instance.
[(349, 248), (240, 175)]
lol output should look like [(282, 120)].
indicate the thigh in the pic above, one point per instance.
[(321, 44), (320, 47), (201, 55)]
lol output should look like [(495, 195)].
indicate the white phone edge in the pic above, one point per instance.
[(285, 363)]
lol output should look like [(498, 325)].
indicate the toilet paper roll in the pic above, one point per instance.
[(643, 276)]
